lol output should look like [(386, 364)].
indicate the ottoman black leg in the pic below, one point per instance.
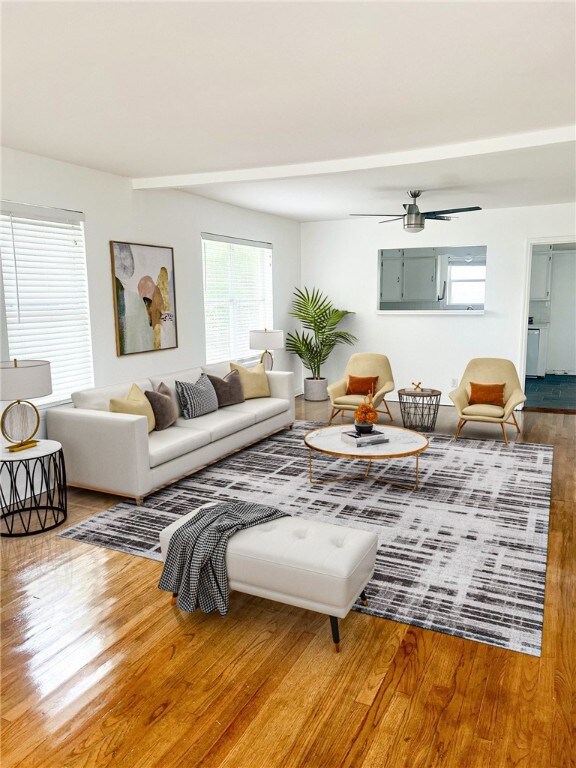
[(363, 598), (335, 633), (174, 598)]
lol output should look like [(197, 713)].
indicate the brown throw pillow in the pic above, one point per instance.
[(486, 394), (228, 390), (362, 385), (164, 407)]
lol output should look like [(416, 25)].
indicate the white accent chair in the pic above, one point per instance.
[(362, 364), (489, 370)]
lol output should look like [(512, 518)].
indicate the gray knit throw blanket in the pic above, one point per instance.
[(195, 566)]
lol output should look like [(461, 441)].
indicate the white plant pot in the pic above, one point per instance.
[(315, 389)]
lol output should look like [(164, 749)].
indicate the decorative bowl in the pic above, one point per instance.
[(363, 428)]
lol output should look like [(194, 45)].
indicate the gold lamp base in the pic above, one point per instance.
[(23, 445), (267, 359), (20, 422)]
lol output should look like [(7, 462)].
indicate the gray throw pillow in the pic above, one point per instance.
[(164, 408), (229, 389), (196, 399)]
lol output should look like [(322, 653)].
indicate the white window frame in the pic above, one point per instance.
[(236, 347), (46, 320), (461, 262)]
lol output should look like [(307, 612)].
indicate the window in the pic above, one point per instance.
[(466, 281), (43, 265), (237, 294)]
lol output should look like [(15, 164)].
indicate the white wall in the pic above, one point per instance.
[(340, 258), (116, 212), (562, 331)]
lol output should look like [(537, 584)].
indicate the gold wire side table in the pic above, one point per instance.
[(419, 408)]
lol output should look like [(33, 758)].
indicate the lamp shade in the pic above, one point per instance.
[(266, 339), (24, 379)]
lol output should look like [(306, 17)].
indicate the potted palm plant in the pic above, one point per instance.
[(315, 343)]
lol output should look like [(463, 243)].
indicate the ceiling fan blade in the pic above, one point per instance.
[(452, 210), (373, 214), (440, 218), (387, 221)]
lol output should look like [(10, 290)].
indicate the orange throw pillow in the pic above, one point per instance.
[(361, 385), (487, 394)]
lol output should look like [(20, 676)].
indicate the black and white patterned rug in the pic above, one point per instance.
[(465, 554)]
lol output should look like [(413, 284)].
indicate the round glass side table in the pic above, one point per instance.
[(419, 408), (32, 489)]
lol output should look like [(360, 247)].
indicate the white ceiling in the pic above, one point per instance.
[(168, 88)]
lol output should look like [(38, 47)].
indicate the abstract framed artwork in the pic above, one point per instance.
[(144, 297)]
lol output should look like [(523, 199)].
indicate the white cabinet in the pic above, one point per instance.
[(419, 279), (391, 278), (407, 278), (540, 276), (543, 351)]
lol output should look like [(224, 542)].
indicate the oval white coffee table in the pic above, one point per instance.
[(402, 442)]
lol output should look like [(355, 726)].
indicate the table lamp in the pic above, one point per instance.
[(19, 381), (267, 340)]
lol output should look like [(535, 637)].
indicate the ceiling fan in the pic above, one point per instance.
[(414, 220)]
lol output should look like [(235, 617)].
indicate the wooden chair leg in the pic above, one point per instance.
[(515, 423), (504, 432), (459, 429), (174, 598), (335, 412), (387, 408)]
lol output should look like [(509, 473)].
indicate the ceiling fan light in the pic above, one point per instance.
[(414, 222)]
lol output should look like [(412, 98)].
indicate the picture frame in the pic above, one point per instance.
[(144, 297)]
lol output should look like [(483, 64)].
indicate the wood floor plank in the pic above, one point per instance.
[(99, 670)]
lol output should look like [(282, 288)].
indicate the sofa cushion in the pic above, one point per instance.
[(228, 389), (254, 380), (196, 399), (219, 424), (165, 409), (262, 407), (484, 410), (191, 374), (98, 398), (173, 442), (135, 403)]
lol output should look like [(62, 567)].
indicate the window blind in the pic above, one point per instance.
[(237, 294), (43, 264)]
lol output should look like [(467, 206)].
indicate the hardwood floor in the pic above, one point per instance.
[(99, 670)]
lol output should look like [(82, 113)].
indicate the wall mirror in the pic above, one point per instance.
[(432, 279)]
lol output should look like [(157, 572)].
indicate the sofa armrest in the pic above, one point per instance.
[(516, 398), (102, 450), (338, 389), (459, 397), (282, 386)]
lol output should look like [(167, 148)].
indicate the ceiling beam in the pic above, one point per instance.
[(429, 154)]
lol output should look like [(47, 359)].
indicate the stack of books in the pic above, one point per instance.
[(376, 437)]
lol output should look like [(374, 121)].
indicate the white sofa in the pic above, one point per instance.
[(113, 452)]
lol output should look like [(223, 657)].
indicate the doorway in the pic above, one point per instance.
[(551, 351)]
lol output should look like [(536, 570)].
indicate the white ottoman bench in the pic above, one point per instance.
[(306, 563)]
